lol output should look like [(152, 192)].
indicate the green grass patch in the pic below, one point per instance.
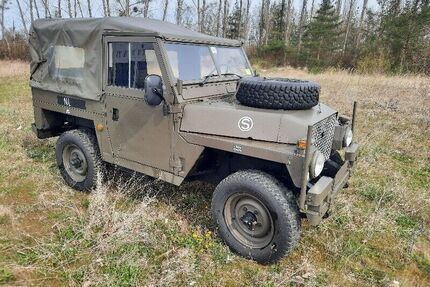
[(406, 222), (376, 193), (5, 219), (124, 274), (371, 275), (42, 154), (417, 176), (6, 276), (13, 87), (27, 256), (422, 263)]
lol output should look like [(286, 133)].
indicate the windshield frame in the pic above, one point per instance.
[(216, 78)]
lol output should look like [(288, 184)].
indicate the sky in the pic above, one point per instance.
[(12, 16)]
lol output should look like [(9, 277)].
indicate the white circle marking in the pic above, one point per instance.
[(245, 124)]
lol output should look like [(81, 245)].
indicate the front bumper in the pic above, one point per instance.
[(320, 196)]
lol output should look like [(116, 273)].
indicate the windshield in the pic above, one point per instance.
[(195, 62)]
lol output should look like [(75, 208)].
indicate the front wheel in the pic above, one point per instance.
[(256, 216), (78, 159)]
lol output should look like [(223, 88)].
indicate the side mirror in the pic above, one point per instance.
[(153, 90)]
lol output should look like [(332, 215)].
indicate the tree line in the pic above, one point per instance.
[(393, 37)]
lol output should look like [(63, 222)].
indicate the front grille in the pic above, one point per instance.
[(323, 134)]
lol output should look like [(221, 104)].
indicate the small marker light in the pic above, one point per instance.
[(99, 127), (301, 144)]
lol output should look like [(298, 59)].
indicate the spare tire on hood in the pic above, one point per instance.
[(278, 93)]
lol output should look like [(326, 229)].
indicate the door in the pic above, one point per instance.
[(138, 132)]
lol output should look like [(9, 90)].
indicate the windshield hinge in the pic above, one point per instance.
[(179, 87)]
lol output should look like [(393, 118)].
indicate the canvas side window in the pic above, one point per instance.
[(130, 63), (66, 62)]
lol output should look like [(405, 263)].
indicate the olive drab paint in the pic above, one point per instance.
[(170, 141)]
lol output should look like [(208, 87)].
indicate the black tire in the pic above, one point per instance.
[(277, 200), (83, 145), (278, 93)]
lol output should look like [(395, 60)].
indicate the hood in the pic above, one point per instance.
[(234, 120)]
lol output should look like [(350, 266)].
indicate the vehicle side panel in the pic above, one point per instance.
[(141, 133)]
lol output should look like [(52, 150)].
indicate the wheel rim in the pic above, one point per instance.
[(75, 162), (249, 220)]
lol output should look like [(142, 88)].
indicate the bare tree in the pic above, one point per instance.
[(198, 16), (218, 17), (262, 23), (239, 24), (268, 17), (36, 8), (69, 8), (246, 27), (338, 6), (3, 7), (287, 22), (47, 11), (127, 8), (80, 8), (31, 11), (348, 24), (179, 10), (224, 18), (312, 9), (202, 17), (145, 8), (360, 25), (301, 24), (24, 24), (104, 8), (90, 14), (166, 5), (59, 9), (108, 7)]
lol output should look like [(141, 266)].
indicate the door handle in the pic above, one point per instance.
[(115, 114)]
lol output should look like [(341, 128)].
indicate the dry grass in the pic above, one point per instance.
[(134, 231), (13, 68)]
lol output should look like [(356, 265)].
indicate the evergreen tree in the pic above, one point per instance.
[(233, 22), (278, 23), (322, 36), (405, 36)]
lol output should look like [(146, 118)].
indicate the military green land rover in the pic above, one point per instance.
[(174, 104)]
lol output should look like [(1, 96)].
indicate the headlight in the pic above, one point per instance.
[(348, 137), (317, 164)]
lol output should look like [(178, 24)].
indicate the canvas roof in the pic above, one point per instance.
[(86, 33)]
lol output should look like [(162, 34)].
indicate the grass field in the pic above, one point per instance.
[(142, 233)]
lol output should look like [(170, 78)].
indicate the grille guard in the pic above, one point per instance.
[(315, 202)]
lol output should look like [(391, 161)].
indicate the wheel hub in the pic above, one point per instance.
[(249, 220), (75, 162)]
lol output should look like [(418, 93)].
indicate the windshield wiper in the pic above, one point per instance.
[(207, 77)]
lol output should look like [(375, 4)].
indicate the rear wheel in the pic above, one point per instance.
[(256, 216), (78, 159)]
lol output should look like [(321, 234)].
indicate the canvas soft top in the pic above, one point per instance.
[(79, 44)]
